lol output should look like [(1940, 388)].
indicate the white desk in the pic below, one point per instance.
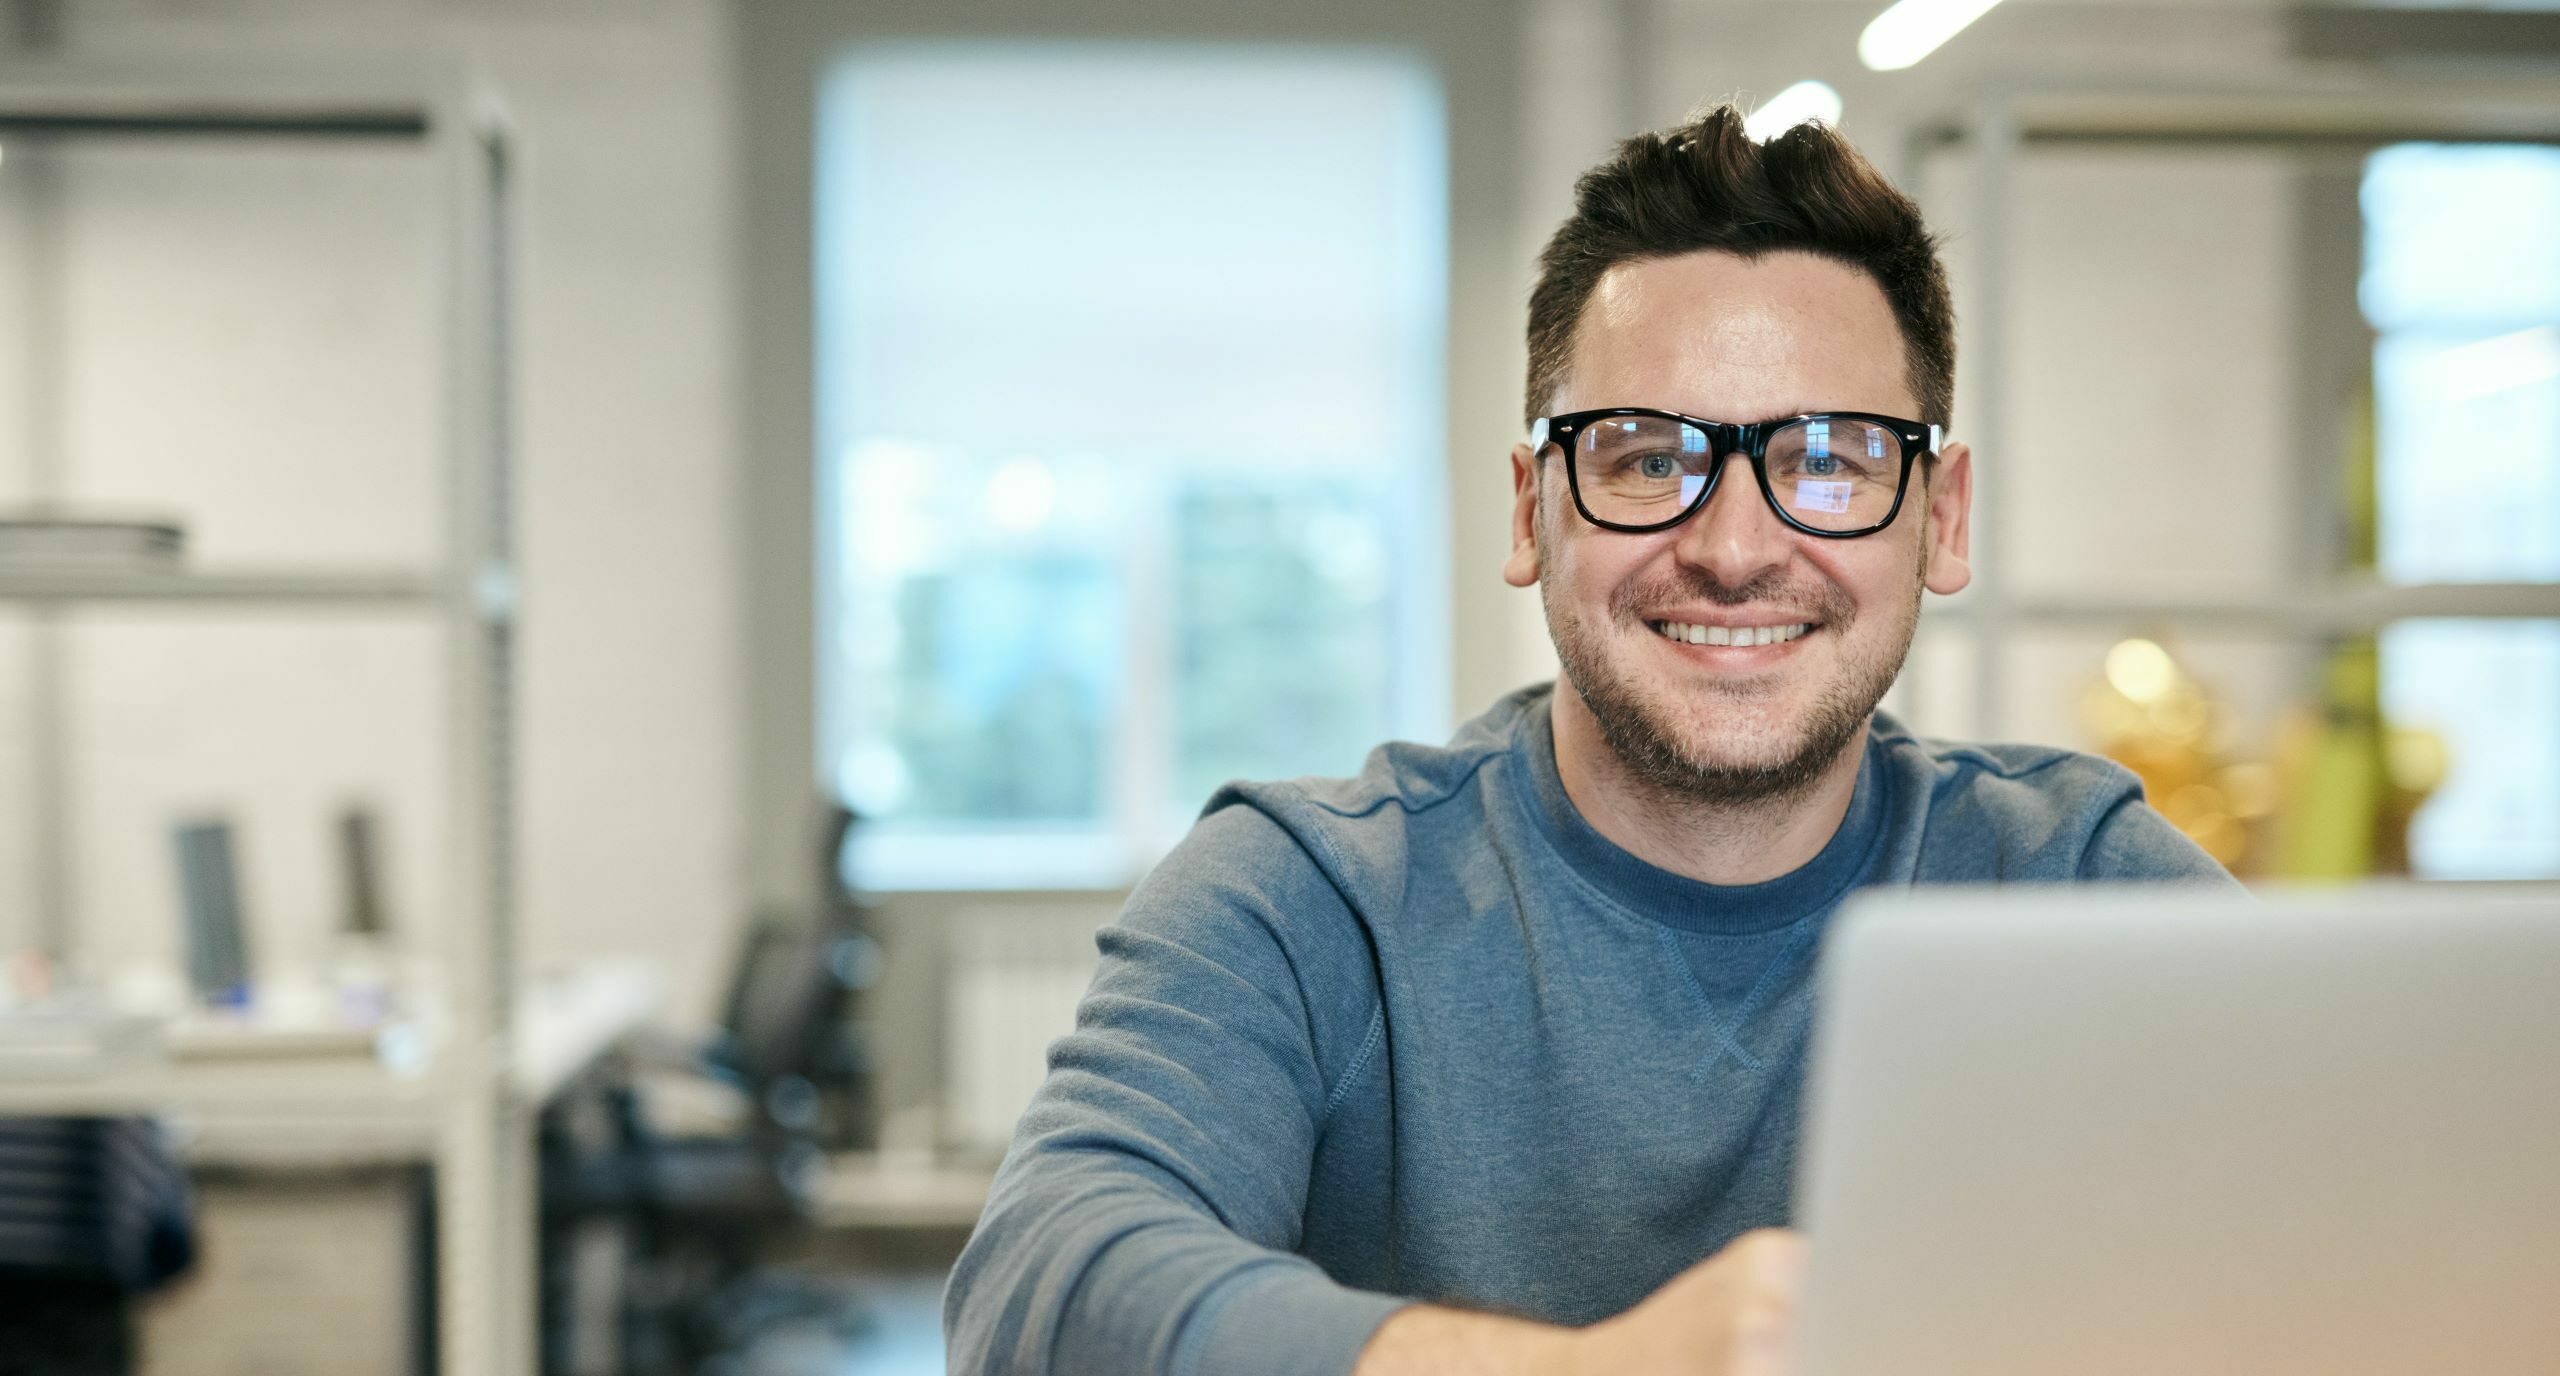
[(254, 1109), (337, 1110), (873, 1190)]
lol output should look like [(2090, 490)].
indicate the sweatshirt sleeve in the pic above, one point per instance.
[(1145, 1215)]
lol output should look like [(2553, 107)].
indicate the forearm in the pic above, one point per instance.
[(1077, 1274), (1426, 1340)]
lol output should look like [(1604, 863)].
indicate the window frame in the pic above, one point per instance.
[(790, 44)]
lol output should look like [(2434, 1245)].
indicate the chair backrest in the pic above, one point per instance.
[(785, 1003)]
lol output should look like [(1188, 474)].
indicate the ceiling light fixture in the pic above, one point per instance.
[(1913, 29), (1793, 106)]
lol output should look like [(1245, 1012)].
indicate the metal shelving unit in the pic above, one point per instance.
[(2345, 607), (2345, 111), (396, 587), (468, 1099)]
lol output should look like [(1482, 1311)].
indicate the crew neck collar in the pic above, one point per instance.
[(1677, 900)]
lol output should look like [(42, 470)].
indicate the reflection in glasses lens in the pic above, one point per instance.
[(1637, 470), (1826, 472), (1835, 473)]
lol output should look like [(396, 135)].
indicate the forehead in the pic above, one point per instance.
[(1717, 335)]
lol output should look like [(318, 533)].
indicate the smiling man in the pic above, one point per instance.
[(1489, 1059)]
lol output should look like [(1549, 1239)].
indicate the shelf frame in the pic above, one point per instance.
[(2342, 112), (481, 1125), (251, 587)]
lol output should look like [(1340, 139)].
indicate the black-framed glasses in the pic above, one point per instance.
[(1836, 474)]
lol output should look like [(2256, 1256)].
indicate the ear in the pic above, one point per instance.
[(1950, 505), (1521, 569)]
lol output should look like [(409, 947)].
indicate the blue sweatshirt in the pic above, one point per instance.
[(1423, 1034)]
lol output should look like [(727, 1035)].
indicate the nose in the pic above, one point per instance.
[(1736, 537)]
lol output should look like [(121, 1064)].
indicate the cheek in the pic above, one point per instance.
[(1875, 573)]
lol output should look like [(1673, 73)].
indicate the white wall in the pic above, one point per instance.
[(247, 341)]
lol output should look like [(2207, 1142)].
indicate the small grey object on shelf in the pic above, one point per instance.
[(209, 887), (358, 862), (41, 539)]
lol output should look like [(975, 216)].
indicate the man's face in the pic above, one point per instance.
[(1713, 335)]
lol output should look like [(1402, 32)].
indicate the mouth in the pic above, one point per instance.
[(1734, 638)]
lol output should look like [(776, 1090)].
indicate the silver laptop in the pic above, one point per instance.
[(2102, 1131)]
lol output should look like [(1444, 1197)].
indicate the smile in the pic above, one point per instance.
[(1694, 634)]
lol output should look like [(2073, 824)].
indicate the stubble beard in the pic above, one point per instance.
[(1647, 734)]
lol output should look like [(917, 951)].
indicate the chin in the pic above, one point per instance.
[(1752, 758), (1718, 733), (1723, 741)]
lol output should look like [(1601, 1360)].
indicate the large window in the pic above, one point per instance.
[(2462, 282), (1131, 441)]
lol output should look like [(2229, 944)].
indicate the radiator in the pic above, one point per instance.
[(1015, 979)]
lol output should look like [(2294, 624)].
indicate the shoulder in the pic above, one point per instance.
[(2022, 783), (1307, 857), (1280, 889), (2033, 812), (1409, 801)]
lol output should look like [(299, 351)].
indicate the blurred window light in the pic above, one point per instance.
[(2462, 282), (2461, 235), (1131, 452), (1805, 100), (1913, 29), (2491, 690)]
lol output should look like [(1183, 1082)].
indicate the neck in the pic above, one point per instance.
[(1715, 843)]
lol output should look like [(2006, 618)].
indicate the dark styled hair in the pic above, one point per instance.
[(1707, 185)]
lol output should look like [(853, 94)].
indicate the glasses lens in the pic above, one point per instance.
[(1832, 473), (1639, 470)]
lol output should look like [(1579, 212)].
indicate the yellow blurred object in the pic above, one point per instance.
[(2337, 796), (2417, 758), (2333, 773), (2350, 783), (2141, 670), (2149, 715), (2252, 790)]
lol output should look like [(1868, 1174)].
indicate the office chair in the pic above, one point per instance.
[(698, 1210), (94, 1212)]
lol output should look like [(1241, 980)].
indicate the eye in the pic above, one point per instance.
[(1820, 465), (1657, 466)]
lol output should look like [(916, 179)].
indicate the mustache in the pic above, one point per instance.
[(1823, 602)]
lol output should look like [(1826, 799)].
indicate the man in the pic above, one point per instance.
[(1466, 1063)]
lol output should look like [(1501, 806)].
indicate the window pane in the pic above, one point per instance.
[(2489, 690), (1129, 362), (2468, 471), (2462, 235), (990, 637), (2462, 276), (1262, 567)]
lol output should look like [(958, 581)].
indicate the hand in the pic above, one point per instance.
[(1733, 1314)]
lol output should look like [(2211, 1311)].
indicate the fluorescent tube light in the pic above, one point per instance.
[(1913, 29), (1793, 106)]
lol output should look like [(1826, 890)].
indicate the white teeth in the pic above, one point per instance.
[(1731, 635)]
